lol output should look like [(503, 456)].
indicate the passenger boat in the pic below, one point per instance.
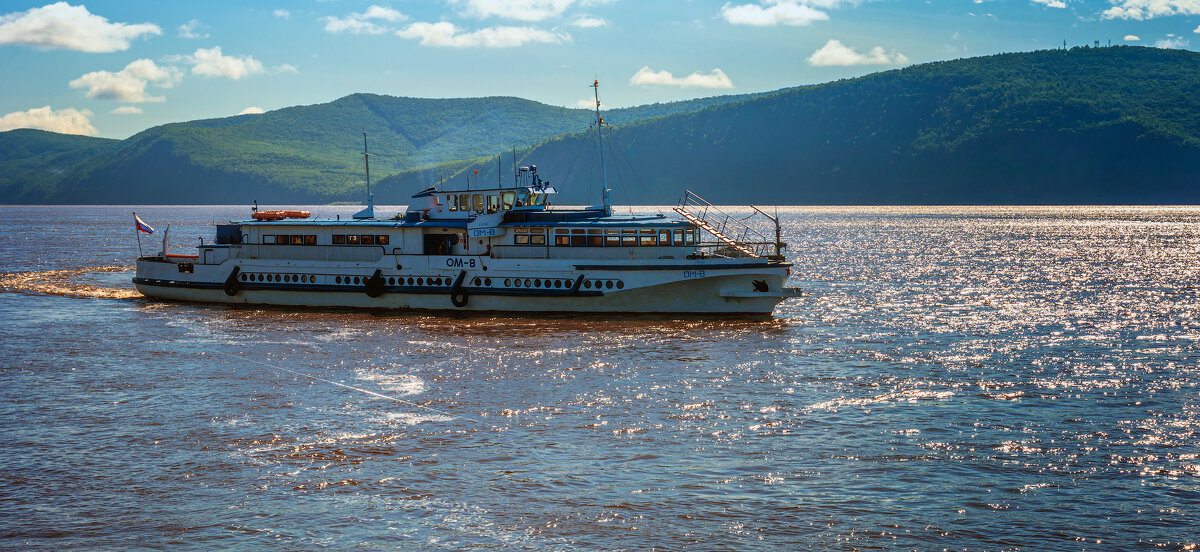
[(501, 249)]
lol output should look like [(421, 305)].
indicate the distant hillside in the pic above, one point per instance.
[(305, 153), (1088, 125), (33, 161)]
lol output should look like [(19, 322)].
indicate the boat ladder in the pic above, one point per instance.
[(747, 242)]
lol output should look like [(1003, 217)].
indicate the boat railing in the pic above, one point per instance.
[(733, 236)]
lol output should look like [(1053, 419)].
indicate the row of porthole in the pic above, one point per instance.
[(288, 278), (421, 281), (551, 283)]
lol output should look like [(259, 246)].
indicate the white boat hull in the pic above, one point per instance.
[(705, 286)]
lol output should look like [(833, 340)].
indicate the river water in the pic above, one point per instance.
[(993, 378)]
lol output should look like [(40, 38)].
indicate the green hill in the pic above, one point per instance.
[(1088, 125), (305, 153)]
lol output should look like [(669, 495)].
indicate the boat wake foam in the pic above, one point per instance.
[(77, 282)]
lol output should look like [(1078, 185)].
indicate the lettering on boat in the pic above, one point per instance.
[(688, 274), (457, 262)]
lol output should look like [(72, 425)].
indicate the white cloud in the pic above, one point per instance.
[(127, 110), (286, 68), (61, 25), (1051, 3), (1149, 9), (585, 22), (361, 23), (522, 10), (282, 14), (834, 53), (212, 63), (1132, 38), (716, 79), (129, 84), (191, 29), (252, 110), (1171, 42), (443, 34), (65, 121), (587, 103), (1197, 30), (776, 12)]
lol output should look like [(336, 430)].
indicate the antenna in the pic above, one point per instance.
[(600, 142), (369, 211)]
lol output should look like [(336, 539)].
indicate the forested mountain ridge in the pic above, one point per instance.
[(1086, 125)]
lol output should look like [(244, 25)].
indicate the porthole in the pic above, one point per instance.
[(356, 280), (410, 280), (507, 282), (391, 281), (527, 284), (487, 282), (287, 277), (243, 277), (558, 283), (537, 283), (620, 284), (478, 281), (420, 281), (338, 279), (260, 278), (587, 284), (608, 284)]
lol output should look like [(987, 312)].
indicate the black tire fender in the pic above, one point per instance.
[(458, 295), (232, 284), (373, 286)]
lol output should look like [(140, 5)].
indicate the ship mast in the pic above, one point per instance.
[(369, 211), (599, 141)]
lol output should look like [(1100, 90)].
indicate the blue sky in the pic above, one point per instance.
[(114, 68)]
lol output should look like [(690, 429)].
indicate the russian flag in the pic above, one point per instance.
[(141, 225)]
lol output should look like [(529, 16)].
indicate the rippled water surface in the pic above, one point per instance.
[(958, 378)]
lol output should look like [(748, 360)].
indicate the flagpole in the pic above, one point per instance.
[(138, 232)]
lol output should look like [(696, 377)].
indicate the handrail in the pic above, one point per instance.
[(734, 237)]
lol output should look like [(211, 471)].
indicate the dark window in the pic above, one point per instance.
[(297, 239), (367, 239), (595, 241), (562, 240), (578, 240), (339, 239), (282, 239), (351, 240), (382, 239), (310, 239)]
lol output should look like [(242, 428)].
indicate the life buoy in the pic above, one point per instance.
[(373, 286), (232, 285), (458, 295)]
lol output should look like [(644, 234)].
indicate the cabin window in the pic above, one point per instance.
[(352, 240), (477, 203), (282, 239), (382, 239), (679, 237), (297, 239), (562, 236), (689, 237), (594, 238), (612, 237), (537, 239), (650, 240), (664, 237), (452, 202), (268, 238), (464, 202), (522, 198), (506, 200), (310, 239), (521, 239), (578, 237), (366, 240), (339, 239), (629, 238), (493, 204)]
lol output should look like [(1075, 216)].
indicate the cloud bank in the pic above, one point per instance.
[(365, 22), (447, 35), (775, 12), (129, 84), (65, 121), (1150, 9), (63, 26), (648, 77), (836, 54)]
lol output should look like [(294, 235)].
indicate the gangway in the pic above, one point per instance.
[(735, 233)]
